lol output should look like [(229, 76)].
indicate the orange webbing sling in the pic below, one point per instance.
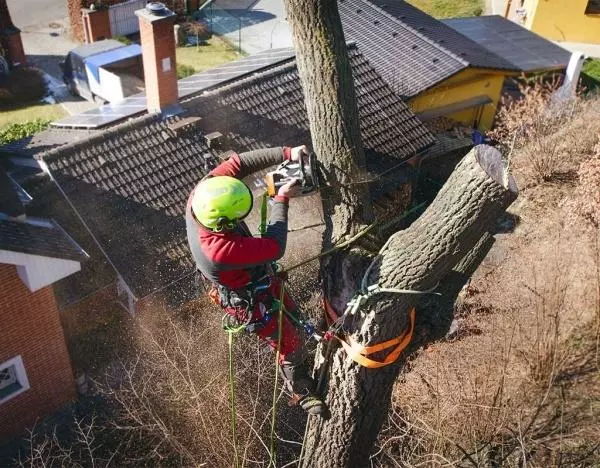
[(359, 353)]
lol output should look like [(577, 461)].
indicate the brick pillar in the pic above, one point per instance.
[(16, 54), (193, 5), (96, 24), (158, 52)]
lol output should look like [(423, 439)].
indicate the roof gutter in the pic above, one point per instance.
[(46, 169)]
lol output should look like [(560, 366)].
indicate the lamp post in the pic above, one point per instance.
[(239, 34), (272, 31)]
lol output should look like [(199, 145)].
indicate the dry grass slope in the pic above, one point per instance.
[(519, 384)]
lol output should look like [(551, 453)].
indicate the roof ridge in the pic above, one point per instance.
[(416, 32), (123, 127)]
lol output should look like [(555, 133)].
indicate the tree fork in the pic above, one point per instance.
[(417, 259)]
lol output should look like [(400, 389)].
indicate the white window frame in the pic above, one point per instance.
[(17, 363)]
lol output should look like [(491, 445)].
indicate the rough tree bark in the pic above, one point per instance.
[(415, 259), (326, 76)]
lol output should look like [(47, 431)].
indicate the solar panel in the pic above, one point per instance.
[(106, 114), (136, 104), (232, 70)]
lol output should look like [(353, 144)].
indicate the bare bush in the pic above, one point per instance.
[(585, 204), (198, 29), (547, 351), (174, 396), (77, 449), (586, 200), (536, 132)]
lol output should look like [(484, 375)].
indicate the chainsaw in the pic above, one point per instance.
[(305, 170)]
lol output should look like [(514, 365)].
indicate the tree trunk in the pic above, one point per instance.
[(326, 76), (436, 313), (415, 259)]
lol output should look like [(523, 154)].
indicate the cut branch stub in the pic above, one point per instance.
[(472, 199)]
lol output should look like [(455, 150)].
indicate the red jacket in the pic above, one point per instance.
[(234, 259)]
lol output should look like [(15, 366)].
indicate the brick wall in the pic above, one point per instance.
[(75, 6), (30, 327)]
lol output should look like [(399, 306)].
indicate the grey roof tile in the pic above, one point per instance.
[(404, 58), (410, 49), (38, 237), (527, 51), (445, 37)]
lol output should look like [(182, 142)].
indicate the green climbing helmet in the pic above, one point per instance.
[(220, 202)]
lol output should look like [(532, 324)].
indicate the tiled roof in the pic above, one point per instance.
[(410, 49), (130, 183), (527, 51), (275, 99), (43, 141), (10, 203), (38, 237)]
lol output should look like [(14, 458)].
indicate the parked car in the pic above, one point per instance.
[(104, 71)]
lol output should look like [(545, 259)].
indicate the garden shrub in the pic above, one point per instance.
[(21, 86), (17, 131)]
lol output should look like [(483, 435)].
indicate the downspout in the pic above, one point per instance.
[(507, 9)]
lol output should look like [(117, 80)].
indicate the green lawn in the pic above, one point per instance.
[(591, 68), (31, 112), (449, 8), (215, 52)]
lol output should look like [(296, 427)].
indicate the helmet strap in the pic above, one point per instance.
[(225, 224)]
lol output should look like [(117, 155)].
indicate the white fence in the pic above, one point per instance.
[(122, 17)]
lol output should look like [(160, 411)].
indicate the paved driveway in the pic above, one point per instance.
[(26, 13), (263, 24)]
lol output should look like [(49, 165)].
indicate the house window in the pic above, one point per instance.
[(13, 379), (593, 7)]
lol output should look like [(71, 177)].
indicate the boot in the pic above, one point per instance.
[(303, 387)]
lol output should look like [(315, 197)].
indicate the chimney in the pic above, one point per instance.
[(158, 52)]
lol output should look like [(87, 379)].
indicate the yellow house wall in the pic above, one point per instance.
[(465, 85), (562, 20)]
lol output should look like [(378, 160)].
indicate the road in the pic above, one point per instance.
[(29, 13)]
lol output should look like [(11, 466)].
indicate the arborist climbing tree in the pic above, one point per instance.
[(240, 268), (385, 287)]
